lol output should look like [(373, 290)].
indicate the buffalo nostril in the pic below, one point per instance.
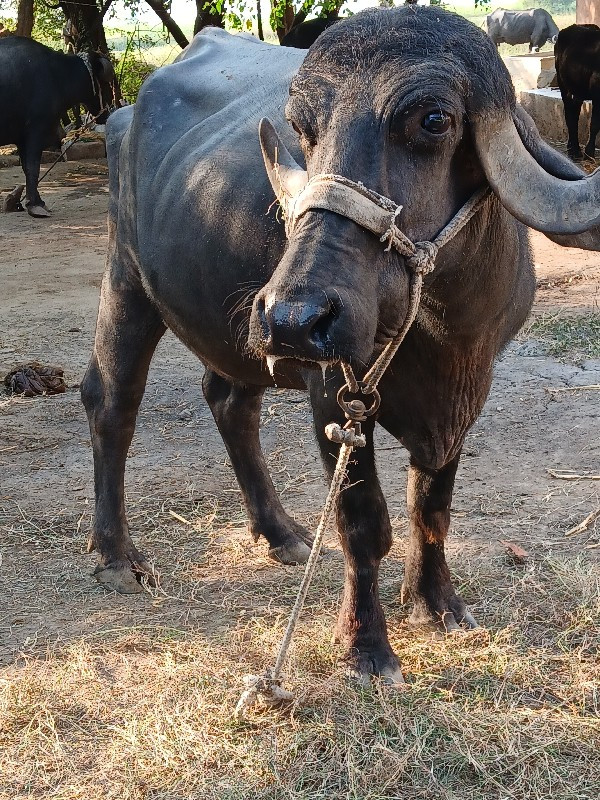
[(300, 328), (261, 315), (321, 330)]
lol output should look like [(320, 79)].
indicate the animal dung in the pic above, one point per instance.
[(32, 379)]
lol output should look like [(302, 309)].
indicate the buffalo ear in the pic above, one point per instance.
[(103, 68), (285, 175)]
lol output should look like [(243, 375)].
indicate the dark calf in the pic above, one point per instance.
[(577, 59), (37, 86)]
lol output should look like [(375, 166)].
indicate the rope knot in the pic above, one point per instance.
[(265, 686), (422, 262), (393, 234)]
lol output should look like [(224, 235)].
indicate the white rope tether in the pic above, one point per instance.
[(268, 685)]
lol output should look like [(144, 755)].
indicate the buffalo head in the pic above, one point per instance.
[(103, 78), (418, 107)]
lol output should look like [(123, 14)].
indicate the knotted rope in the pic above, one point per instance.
[(377, 214)]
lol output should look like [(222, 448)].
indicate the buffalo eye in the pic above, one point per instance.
[(436, 122), (305, 133)]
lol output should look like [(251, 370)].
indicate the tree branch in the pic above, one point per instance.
[(168, 21)]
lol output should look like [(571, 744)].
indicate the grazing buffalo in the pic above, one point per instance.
[(577, 59), (412, 105), (305, 34), (534, 26), (37, 86)]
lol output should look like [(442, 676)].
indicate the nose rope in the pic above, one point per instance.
[(378, 214)]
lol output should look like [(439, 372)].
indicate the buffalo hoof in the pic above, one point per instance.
[(575, 155), (590, 156), (38, 211), (449, 620), (125, 577), (294, 552), (383, 665)]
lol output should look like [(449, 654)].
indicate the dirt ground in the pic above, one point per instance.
[(50, 273)]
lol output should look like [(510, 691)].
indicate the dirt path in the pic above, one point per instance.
[(51, 271)]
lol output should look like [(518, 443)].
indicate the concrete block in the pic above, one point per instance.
[(82, 150), (546, 108)]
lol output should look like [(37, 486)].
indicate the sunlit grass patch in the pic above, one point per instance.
[(574, 337), (510, 711)]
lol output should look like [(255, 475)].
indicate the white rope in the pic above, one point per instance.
[(267, 686)]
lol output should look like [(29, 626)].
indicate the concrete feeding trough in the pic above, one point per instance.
[(83, 150), (531, 70), (546, 108)]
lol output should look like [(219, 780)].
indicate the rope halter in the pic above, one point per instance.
[(379, 215), (85, 57)]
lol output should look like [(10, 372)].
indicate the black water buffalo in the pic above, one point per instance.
[(305, 34), (577, 60), (37, 86), (413, 104), (534, 26)]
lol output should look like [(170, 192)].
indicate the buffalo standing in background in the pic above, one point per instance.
[(577, 60), (534, 26), (416, 105), (37, 86)]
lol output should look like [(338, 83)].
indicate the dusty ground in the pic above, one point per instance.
[(220, 590)]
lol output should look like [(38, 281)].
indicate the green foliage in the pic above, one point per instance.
[(48, 24), (132, 67)]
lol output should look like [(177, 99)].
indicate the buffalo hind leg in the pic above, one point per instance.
[(236, 409), (426, 575), (30, 153), (366, 537), (590, 148), (572, 108), (127, 332)]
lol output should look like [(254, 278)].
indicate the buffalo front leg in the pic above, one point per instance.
[(366, 536), (426, 576), (236, 409), (127, 332)]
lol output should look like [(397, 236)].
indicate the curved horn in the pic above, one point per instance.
[(532, 195), (285, 175)]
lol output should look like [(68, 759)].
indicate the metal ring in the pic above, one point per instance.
[(352, 409)]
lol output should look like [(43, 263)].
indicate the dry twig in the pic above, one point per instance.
[(573, 476), (585, 524)]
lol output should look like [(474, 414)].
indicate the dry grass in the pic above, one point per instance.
[(574, 337), (145, 712)]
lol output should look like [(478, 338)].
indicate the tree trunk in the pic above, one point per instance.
[(259, 24), (87, 25), (25, 18), (204, 17), (288, 19), (167, 20), (87, 30)]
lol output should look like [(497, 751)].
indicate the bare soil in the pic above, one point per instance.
[(214, 577)]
